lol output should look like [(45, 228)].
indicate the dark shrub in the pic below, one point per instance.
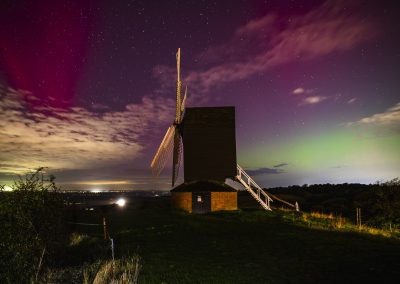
[(31, 226), (385, 208)]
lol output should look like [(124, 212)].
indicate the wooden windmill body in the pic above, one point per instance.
[(209, 146)]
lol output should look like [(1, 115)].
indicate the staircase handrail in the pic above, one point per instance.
[(253, 188), (250, 181)]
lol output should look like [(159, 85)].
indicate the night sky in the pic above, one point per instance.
[(87, 87)]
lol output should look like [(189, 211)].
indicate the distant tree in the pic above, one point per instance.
[(385, 208), (31, 227), (379, 203)]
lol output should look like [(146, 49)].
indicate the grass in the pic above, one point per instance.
[(250, 246), (331, 222), (120, 271)]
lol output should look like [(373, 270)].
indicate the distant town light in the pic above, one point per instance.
[(8, 188), (121, 202)]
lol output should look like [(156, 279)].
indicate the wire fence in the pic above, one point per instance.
[(85, 224), (106, 234)]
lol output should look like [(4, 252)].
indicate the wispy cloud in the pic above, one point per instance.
[(281, 165), (312, 100), (264, 171), (301, 91), (334, 26), (339, 167), (352, 100), (391, 117), (298, 91), (74, 138)]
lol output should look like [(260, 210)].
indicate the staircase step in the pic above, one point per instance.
[(253, 188)]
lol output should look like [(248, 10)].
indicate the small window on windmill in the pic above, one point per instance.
[(199, 198)]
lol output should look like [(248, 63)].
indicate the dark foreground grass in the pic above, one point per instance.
[(236, 247)]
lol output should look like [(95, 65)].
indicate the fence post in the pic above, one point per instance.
[(105, 228), (112, 249), (358, 217)]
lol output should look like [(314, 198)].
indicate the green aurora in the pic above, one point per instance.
[(371, 154)]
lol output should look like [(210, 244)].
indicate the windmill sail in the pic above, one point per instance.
[(183, 102), (176, 157), (178, 112), (172, 142), (163, 153), (178, 88)]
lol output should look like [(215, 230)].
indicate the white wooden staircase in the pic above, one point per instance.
[(253, 188)]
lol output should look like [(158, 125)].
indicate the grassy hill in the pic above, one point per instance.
[(250, 246)]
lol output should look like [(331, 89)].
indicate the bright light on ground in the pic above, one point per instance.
[(95, 190), (121, 202), (7, 188)]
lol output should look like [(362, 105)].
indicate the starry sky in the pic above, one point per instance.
[(87, 87)]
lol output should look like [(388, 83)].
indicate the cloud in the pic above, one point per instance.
[(267, 42), (339, 167), (99, 107), (74, 138), (312, 100), (246, 41), (281, 165), (352, 100), (253, 27), (264, 171), (298, 91), (391, 117)]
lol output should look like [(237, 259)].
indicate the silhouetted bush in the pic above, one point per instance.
[(31, 227), (379, 203), (385, 208)]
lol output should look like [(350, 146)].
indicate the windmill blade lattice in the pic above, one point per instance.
[(164, 152), (183, 104), (172, 142), (176, 156)]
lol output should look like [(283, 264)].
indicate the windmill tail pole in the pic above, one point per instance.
[(283, 201)]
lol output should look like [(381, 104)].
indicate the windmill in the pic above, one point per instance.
[(172, 141), (208, 139)]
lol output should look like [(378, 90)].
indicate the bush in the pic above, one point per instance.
[(386, 206), (31, 226)]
